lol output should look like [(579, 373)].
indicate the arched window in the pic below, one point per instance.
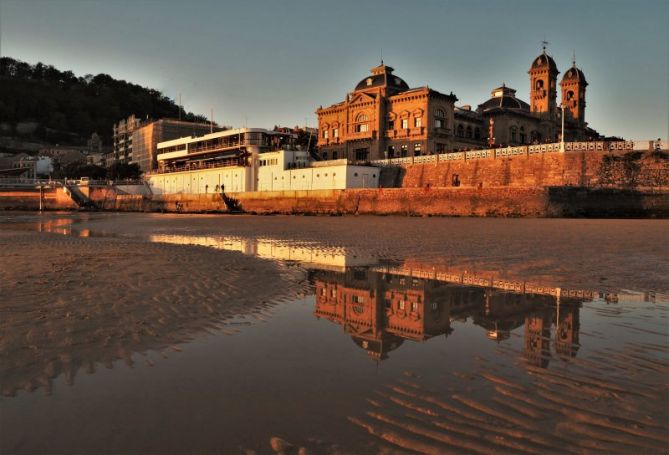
[(477, 133), (440, 113), (361, 124), (570, 95), (539, 84), (461, 131), (469, 132), (514, 134), (523, 138)]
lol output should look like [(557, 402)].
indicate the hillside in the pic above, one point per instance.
[(40, 102)]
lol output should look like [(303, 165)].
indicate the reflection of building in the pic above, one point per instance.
[(380, 310), (384, 118)]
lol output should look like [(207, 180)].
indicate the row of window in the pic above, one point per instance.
[(361, 126), (268, 162), (468, 132)]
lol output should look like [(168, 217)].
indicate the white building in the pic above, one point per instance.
[(249, 159)]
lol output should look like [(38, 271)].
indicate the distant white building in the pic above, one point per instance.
[(246, 160)]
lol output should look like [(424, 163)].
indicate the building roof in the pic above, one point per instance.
[(382, 76), (544, 60), (503, 97), (574, 73)]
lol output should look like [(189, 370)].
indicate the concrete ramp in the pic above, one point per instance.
[(78, 197)]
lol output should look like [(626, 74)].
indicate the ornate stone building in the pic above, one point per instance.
[(384, 118)]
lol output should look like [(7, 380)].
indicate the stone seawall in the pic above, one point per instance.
[(502, 202), (29, 199), (462, 201), (589, 169)]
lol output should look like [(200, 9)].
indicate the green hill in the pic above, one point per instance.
[(40, 102)]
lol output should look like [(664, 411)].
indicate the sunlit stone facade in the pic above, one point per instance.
[(384, 118)]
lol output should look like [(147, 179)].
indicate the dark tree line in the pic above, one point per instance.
[(68, 108)]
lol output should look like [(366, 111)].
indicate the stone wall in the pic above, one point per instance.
[(29, 199), (589, 169)]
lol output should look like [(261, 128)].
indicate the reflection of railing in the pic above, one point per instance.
[(600, 146), (462, 278)]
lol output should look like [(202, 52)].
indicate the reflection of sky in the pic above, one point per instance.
[(270, 62)]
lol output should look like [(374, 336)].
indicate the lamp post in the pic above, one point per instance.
[(562, 134)]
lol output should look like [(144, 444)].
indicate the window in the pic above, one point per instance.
[(325, 155), (440, 148), (416, 149), (438, 123), (334, 155), (414, 306), (369, 81), (470, 134), (361, 124), (405, 123), (440, 113), (477, 133), (325, 134), (358, 299), (361, 154), (461, 131), (401, 305), (335, 132), (391, 125), (514, 133), (391, 151), (404, 150), (418, 122)]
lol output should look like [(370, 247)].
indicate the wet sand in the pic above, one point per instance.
[(112, 343)]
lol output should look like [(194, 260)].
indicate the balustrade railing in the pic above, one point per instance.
[(598, 146)]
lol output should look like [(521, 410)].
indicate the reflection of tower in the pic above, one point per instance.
[(537, 338), (566, 332)]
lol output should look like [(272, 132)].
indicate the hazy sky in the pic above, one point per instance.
[(263, 63)]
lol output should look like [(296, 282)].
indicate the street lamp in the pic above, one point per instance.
[(562, 134)]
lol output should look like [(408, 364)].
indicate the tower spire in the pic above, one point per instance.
[(573, 58)]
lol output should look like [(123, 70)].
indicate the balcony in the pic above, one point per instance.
[(362, 135)]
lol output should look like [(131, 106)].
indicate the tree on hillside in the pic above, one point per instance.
[(70, 108)]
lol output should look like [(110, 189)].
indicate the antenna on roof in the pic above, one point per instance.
[(544, 43), (573, 58), (381, 56)]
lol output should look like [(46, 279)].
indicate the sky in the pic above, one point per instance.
[(263, 63)]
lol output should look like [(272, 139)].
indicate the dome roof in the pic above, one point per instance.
[(544, 60), (574, 73), (382, 76), (504, 97)]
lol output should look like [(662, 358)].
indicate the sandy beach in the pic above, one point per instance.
[(143, 333)]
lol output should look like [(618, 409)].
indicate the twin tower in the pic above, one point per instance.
[(543, 89)]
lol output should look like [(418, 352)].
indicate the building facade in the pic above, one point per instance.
[(135, 141), (250, 159), (384, 118)]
